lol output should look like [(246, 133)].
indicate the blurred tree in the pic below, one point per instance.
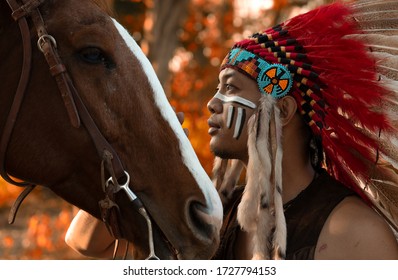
[(168, 18)]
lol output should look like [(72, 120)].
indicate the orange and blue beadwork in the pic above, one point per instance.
[(272, 79)]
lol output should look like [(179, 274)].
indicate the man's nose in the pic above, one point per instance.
[(215, 105)]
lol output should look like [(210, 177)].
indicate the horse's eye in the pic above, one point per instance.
[(95, 56), (92, 55)]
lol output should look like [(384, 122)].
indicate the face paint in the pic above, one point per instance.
[(231, 111), (240, 121), (236, 99), (241, 114)]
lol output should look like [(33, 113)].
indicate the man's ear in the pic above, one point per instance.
[(288, 107)]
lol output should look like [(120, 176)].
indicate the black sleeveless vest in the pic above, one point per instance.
[(305, 216)]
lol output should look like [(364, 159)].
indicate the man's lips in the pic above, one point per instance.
[(213, 127)]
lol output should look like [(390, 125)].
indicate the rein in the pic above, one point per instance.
[(78, 113)]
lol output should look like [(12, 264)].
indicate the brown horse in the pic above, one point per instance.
[(111, 120)]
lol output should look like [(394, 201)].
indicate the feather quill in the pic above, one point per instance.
[(378, 42)]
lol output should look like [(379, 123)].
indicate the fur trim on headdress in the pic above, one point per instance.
[(226, 174), (260, 211), (219, 169)]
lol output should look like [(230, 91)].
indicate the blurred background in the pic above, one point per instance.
[(185, 40)]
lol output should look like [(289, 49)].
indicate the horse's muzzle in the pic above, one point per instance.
[(205, 225)]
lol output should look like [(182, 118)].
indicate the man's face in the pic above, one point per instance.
[(230, 110)]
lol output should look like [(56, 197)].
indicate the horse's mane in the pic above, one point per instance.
[(105, 6), (102, 4)]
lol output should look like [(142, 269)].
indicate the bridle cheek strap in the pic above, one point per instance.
[(19, 94), (18, 13), (48, 46)]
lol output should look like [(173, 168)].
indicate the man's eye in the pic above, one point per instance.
[(229, 87)]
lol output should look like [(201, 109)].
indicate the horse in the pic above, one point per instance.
[(83, 114)]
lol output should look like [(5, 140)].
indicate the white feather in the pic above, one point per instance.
[(247, 214), (280, 233)]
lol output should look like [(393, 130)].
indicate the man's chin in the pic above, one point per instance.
[(221, 153), (221, 150)]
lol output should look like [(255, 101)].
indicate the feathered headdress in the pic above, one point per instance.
[(339, 62)]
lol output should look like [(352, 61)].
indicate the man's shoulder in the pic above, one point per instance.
[(355, 231)]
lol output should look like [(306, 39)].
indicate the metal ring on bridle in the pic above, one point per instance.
[(42, 40), (132, 196), (125, 186)]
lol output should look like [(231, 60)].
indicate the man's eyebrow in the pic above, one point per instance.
[(226, 76)]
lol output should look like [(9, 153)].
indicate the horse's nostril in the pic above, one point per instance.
[(202, 223)]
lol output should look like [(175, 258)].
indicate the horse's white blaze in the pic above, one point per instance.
[(189, 157)]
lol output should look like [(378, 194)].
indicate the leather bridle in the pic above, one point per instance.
[(78, 114)]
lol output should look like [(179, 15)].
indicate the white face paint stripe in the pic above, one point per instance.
[(236, 99), (190, 159), (240, 120), (230, 116)]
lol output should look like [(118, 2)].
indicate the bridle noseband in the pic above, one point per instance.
[(77, 112)]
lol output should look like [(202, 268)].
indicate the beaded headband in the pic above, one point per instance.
[(272, 79)]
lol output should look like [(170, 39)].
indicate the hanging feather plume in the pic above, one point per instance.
[(257, 191), (260, 211), (265, 227), (279, 236), (255, 209), (219, 169), (226, 174)]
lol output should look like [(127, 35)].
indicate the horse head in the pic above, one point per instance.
[(53, 147)]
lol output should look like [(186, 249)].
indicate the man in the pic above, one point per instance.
[(314, 140)]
